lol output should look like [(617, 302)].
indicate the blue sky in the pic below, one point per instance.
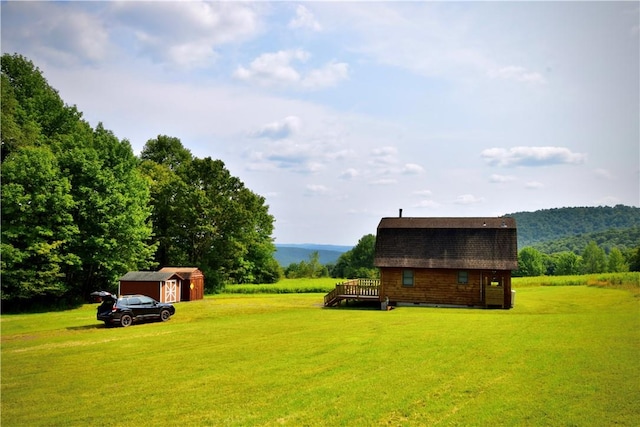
[(340, 113)]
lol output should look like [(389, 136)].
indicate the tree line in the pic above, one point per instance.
[(550, 225), (79, 209), (593, 259), (355, 263)]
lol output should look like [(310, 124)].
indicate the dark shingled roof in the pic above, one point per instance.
[(148, 276), (185, 272), (457, 243)]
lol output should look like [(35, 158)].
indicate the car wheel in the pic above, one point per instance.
[(164, 315), (126, 320)]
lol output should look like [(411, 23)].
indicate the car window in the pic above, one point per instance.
[(146, 300), (134, 301)]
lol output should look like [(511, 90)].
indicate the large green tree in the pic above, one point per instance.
[(530, 262), (204, 216), (112, 210), (98, 227), (37, 227), (616, 262), (567, 263), (594, 260), (358, 262)]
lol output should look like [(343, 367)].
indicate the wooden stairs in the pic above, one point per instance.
[(355, 289)]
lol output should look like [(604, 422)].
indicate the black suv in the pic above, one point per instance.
[(131, 308)]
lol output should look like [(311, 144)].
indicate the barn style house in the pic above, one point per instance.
[(446, 261)]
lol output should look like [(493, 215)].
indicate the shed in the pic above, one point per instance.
[(192, 285), (447, 261), (162, 286)]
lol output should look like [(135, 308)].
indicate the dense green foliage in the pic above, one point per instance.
[(204, 216), (75, 207), (358, 262), (553, 224), (80, 209), (607, 240), (311, 269), (579, 240), (593, 259)]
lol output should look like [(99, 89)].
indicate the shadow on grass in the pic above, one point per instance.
[(88, 327), (356, 305)]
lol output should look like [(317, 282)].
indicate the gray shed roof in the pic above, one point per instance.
[(458, 243), (149, 276)]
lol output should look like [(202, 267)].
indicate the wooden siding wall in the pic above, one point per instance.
[(438, 286), (188, 294), (150, 289)]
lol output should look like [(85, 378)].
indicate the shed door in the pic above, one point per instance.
[(170, 291)]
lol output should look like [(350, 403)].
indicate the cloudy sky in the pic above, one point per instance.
[(340, 113)]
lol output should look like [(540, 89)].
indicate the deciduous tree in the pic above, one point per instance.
[(594, 260), (530, 262)]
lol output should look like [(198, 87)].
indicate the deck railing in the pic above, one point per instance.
[(354, 289)]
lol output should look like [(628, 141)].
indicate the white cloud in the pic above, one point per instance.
[(316, 190), (384, 156), (276, 69), (384, 181), (280, 130), (532, 156), (273, 68), (603, 174), (496, 178), (304, 19), (327, 76), (185, 33), (534, 185), (426, 204), (468, 199), (515, 73), (72, 35), (349, 174), (412, 169), (422, 193)]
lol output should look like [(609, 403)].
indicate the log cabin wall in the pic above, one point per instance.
[(438, 286)]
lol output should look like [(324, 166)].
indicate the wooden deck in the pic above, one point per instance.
[(356, 289)]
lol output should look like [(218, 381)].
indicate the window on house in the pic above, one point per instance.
[(463, 277), (407, 277)]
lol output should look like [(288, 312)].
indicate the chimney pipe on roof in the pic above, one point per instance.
[(400, 214)]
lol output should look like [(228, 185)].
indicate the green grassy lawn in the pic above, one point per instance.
[(565, 355)]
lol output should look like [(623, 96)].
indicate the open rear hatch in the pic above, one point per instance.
[(107, 298)]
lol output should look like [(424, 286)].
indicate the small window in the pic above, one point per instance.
[(407, 277), (463, 277)]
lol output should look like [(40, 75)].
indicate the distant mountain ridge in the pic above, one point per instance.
[(289, 253), (553, 224)]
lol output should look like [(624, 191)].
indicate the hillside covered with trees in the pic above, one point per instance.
[(555, 224), (79, 209)]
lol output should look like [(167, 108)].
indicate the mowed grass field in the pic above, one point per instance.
[(565, 355)]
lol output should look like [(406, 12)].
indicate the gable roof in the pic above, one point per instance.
[(149, 276), (457, 243), (185, 272)]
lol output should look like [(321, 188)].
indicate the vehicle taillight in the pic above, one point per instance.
[(114, 308)]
